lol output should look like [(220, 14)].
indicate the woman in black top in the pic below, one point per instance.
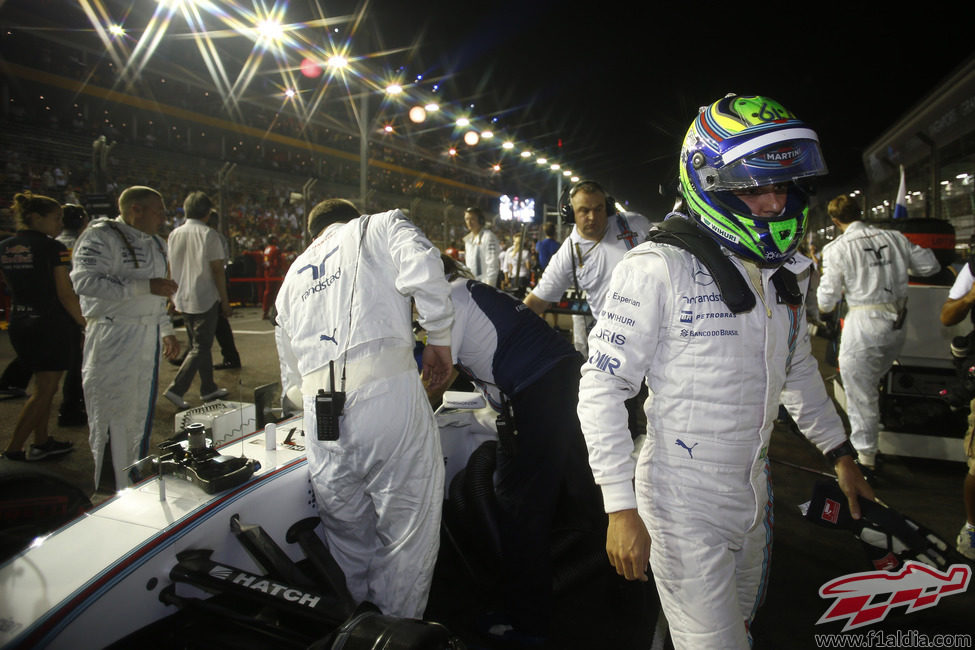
[(35, 268)]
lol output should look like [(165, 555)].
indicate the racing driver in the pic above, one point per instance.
[(713, 318)]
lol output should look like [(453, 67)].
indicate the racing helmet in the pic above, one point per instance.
[(741, 142)]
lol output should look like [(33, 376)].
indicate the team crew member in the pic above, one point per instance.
[(507, 350), (379, 485), (870, 267), (716, 370), (961, 298), (44, 315), (548, 246), (587, 257), (482, 251), (272, 270), (119, 271)]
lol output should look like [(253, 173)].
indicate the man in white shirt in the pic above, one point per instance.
[(870, 267), (589, 254), (481, 248), (197, 261)]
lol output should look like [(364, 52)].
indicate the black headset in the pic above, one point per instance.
[(565, 201)]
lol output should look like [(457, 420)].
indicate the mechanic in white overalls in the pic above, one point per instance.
[(119, 273), (378, 472)]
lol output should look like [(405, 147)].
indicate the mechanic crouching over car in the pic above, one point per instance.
[(345, 338)]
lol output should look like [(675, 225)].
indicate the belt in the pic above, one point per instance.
[(382, 365), (891, 307), (124, 320)]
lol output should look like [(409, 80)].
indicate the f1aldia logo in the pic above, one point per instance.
[(865, 598)]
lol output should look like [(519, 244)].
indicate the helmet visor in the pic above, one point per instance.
[(779, 162)]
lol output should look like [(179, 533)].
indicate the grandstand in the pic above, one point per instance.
[(168, 129)]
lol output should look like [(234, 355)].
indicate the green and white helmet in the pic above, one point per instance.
[(742, 142)]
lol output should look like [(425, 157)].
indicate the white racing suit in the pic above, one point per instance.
[(379, 487), (702, 485), (123, 337), (870, 266)]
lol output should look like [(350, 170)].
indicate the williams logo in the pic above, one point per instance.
[(865, 598), (318, 271)]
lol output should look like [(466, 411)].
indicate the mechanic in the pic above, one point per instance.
[(273, 264), (961, 298), (869, 266), (523, 365), (119, 271), (379, 482), (717, 333), (482, 251), (587, 257)]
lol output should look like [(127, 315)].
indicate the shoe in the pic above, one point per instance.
[(180, 403), (226, 365), (220, 393), (966, 542), (177, 362), (72, 419), (14, 455), (12, 392), (50, 448)]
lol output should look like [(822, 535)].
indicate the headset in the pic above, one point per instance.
[(565, 201)]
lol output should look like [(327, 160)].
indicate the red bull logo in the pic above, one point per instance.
[(866, 598)]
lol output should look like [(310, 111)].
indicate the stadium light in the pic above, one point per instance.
[(337, 62)]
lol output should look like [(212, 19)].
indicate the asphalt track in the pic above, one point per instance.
[(804, 557)]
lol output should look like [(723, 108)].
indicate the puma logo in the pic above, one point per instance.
[(326, 337), (690, 450)]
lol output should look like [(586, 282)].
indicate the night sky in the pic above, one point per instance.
[(617, 84), (620, 85)]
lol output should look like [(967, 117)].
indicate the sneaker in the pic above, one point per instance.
[(178, 400), (226, 365), (12, 392), (220, 393), (966, 542), (50, 448), (14, 455)]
